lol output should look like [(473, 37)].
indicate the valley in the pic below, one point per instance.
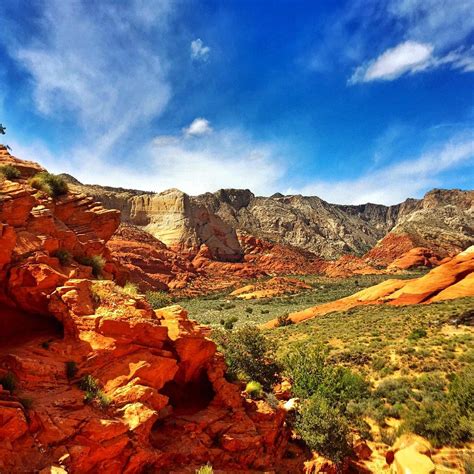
[(163, 332)]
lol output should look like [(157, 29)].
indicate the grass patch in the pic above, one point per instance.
[(64, 257), (96, 262), (158, 299), (130, 289), (10, 172), (51, 184), (93, 392), (207, 469)]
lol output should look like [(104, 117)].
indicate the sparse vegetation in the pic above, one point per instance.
[(284, 320), (254, 389), (51, 184), (93, 392), (96, 262), (214, 307), (158, 299), (249, 355), (131, 289), (417, 333), (63, 256), (10, 172), (446, 420), (207, 469)]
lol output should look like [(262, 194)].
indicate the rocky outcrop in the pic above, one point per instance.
[(450, 280), (172, 217), (36, 230), (276, 286), (442, 222), (148, 262), (105, 383), (305, 222)]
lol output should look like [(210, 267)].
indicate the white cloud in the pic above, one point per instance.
[(199, 51), (225, 159), (349, 36), (394, 62), (394, 183), (410, 57), (198, 127)]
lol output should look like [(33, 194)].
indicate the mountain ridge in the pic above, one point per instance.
[(310, 223)]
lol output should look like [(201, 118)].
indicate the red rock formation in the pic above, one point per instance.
[(346, 266), (149, 262), (157, 397), (452, 279), (391, 247), (414, 258)]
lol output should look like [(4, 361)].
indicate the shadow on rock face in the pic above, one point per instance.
[(19, 327), (190, 397)]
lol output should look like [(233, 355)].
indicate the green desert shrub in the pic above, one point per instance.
[(93, 392), (228, 325), (51, 184), (440, 422), (96, 262), (8, 382), (446, 420), (324, 429), (207, 469), (417, 333), (63, 256), (254, 389), (130, 289), (311, 373), (284, 320), (250, 354), (395, 390), (10, 172), (158, 299)]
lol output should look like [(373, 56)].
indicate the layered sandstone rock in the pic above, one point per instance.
[(35, 229), (149, 262), (172, 217), (156, 396), (276, 286), (442, 223), (450, 280)]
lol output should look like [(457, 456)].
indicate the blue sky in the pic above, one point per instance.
[(354, 101)]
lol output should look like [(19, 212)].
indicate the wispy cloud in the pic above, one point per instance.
[(394, 183), (199, 51), (226, 159), (411, 57), (97, 66)]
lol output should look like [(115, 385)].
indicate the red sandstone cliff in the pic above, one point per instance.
[(159, 398)]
